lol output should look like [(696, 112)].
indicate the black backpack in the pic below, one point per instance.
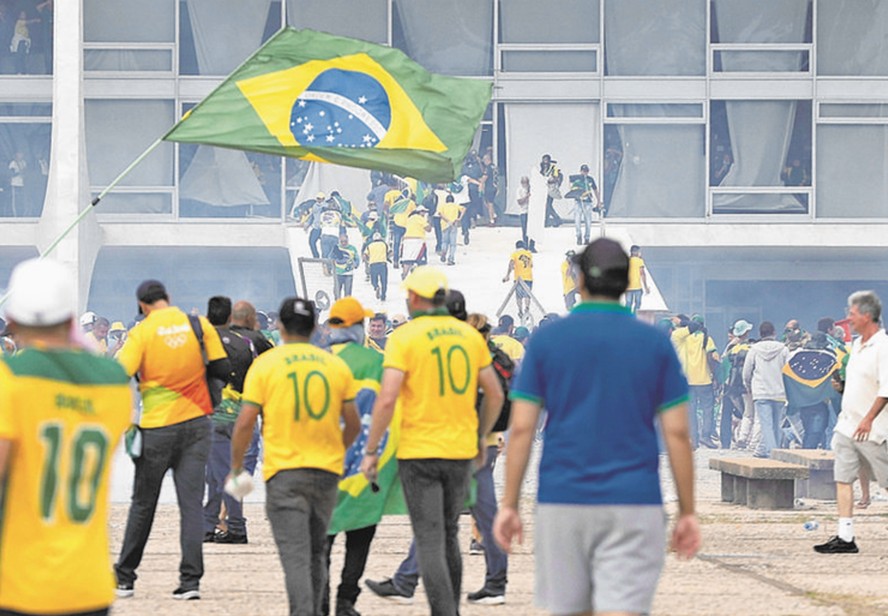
[(504, 368)]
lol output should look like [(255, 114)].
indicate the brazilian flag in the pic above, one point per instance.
[(331, 99), (807, 377)]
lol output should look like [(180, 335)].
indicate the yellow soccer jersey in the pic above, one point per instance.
[(165, 352), (568, 282), (523, 260), (449, 212), (416, 226), (64, 412), (635, 266), (440, 357), (402, 211), (377, 252), (300, 389)]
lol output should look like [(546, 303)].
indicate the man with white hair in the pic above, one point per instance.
[(862, 429), (55, 458)]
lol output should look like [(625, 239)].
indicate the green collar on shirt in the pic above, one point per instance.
[(614, 307), (434, 312)]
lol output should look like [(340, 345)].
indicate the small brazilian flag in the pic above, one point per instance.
[(807, 377), (326, 98)]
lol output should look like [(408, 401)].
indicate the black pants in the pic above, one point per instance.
[(357, 549), (379, 278)]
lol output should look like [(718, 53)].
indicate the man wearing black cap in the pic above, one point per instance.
[(167, 350), (306, 397), (599, 518)]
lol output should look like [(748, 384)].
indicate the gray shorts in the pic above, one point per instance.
[(851, 455), (598, 557)]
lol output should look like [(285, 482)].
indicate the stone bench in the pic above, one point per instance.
[(820, 483), (758, 483)]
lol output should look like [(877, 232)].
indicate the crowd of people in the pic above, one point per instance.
[(312, 405), (747, 396)]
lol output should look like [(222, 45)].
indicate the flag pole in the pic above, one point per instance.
[(96, 201)]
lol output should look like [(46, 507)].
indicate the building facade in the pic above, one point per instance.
[(744, 144)]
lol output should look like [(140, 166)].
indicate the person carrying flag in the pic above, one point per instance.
[(360, 505)]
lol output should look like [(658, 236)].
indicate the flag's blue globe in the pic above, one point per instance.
[(812, 365), (341, 108)]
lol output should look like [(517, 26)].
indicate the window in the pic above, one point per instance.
[(362, 19), (25, 139)]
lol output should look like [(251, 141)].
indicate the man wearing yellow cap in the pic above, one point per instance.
[(359, 508), (433, 367)]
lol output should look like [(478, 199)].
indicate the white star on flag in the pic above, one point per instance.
[(362, 100)]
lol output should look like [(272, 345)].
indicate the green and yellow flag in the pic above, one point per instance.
[(326, 98)]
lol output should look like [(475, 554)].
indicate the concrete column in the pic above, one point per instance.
[(67, 191)]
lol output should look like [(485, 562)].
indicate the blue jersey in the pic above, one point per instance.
[(603, 376)]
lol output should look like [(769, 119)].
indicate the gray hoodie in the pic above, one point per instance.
[(763, 369)]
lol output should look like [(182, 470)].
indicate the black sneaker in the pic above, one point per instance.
[(476, 548), (837, 545), (486, 596), (209, 537), (225, 536), (124, 590), (186, 594), (387, 590), (346, 608)]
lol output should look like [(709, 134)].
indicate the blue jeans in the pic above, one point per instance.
[(313, 236), (633, 300), (448, 242), (299, 504), (218, 466), (583, 218), (328, 245), (379, 278), (484, 512), (815, 419), (770, 415), (397, 236), (435, 492), (184, 448), (703, 400)]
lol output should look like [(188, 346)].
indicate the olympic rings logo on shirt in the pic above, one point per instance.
[(176, 341)]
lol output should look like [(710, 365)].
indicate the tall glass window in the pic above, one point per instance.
[(653, 169), (759, 152), (852, 38), (663, 38), (215, 36), (852, 161), (26, 30), (362, 19), (761, 35), (453, 37), (129, 35), (25, 138), (117, 132)]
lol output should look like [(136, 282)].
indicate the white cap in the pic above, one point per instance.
[(88, 318), (41, 293)]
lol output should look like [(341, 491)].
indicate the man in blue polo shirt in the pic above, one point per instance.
[(600, 530)]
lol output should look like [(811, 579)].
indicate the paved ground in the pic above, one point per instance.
[(752, 563)]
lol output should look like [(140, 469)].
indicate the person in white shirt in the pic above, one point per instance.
[(861, 432)]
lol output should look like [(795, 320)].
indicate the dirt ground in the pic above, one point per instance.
[(752, 563)]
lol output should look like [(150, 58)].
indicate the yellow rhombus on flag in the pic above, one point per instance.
[(326, 98)]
